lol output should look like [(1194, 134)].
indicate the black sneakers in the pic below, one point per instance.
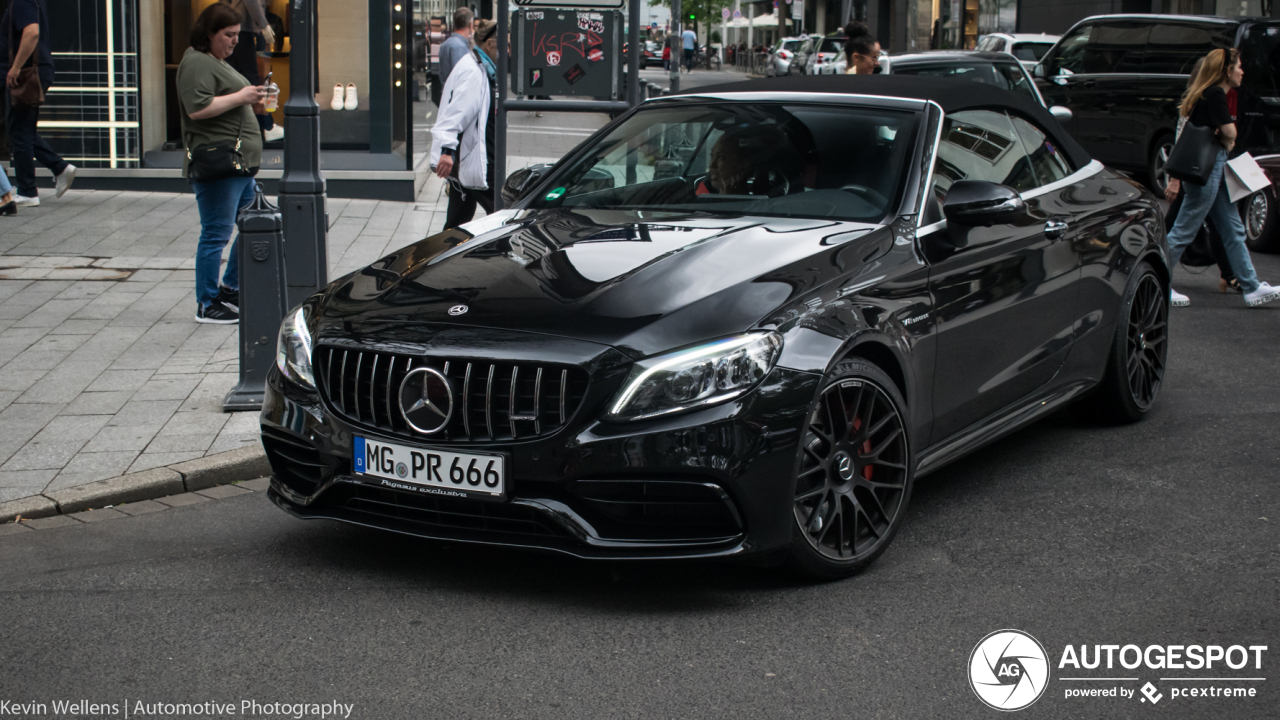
[(217, 313), (228, 297)]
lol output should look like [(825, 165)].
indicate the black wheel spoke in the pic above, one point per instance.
[(846, 515)]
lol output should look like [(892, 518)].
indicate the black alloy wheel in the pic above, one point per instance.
[(1136, 366), (1159, 177), (853, 480), (1261, 226)]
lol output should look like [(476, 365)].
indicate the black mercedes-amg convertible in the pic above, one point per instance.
[(738, 322)]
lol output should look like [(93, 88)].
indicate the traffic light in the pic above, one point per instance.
[(692, 16)]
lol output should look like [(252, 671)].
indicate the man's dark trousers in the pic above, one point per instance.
[(26, 146)]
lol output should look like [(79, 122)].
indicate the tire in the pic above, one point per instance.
[(1139, 351), (1157, 180), (854, 451), (1261, 215)]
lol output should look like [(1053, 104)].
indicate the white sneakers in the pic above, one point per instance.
[(1264, 294), (275, 133), (24, 201), (64, 180), (344, 100)]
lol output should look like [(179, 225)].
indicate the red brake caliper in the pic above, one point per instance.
[(866, 447)]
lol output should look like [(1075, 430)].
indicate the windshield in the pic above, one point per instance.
[(1031, 51), (768, 159), (1005, 76)]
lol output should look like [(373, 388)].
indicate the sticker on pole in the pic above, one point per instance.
[(554, 194), (574, 74), (553, 58), (535, 77)]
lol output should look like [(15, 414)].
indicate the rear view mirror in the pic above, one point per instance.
[(520, 182), (977, 203)]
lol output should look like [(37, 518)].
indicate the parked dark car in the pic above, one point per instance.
[(738, 322), (998, 69), (1123, 77)]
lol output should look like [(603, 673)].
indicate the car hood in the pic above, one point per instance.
[(640, 281)]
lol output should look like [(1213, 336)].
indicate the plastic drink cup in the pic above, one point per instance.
[(273, 97)]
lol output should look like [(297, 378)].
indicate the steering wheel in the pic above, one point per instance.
[(877, 199)]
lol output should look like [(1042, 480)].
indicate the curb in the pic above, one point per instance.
[(233, 466)]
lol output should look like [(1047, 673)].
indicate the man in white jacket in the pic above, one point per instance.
[(458, 148)]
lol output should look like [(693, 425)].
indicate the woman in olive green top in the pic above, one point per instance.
[(216, 105)]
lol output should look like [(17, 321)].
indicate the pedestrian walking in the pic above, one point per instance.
[(1174, 194), (1205, 105), (861, 51), (666, 55), (27, 64), (217, 119), (462, 138), (690, 42), (458, 44)]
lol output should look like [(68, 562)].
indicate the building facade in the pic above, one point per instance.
[(113, 108)]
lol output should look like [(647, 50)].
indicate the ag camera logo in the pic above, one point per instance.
[(1008, 670)]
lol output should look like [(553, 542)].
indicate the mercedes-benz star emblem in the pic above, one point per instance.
[(426, 400), (458, 309), (844, 466)]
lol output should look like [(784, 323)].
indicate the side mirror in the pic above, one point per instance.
[(977, 203), (1039, 71), (1061, 113), (520, 182)]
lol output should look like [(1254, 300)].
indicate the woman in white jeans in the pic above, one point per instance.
[(1205, 105)]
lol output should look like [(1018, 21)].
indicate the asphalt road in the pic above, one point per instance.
[(1164, 533)]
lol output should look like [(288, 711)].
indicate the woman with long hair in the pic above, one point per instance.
[(1205, 105), (861, 51)]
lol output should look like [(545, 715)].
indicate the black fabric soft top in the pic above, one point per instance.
[(951, 95)]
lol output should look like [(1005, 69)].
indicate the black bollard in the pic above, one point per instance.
[(262, 300)]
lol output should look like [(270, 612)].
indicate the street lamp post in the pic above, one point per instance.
[(677, 46), (302, 190)]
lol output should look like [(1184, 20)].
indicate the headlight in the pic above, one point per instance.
[(293, 352), (696, 377)]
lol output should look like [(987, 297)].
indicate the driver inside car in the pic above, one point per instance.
[(759, 160)]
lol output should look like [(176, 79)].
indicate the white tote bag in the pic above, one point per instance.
[(1244, 177)]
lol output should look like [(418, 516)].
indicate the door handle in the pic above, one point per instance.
[(1055, 229)]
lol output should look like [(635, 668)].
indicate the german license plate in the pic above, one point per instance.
[(431, 471)]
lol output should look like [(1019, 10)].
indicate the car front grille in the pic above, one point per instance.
[(492, 400)]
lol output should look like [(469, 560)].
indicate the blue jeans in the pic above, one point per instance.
[(27, 147), (5, 187), (1213, 201), (218, 203)]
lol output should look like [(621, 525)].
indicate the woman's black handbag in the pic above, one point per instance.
[(216, 161), (1194, 154)]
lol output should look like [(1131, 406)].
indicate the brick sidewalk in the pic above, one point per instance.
[(103, 369)]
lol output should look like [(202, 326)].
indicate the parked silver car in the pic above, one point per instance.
[(1027, 47), (781, 55), (826, 54)]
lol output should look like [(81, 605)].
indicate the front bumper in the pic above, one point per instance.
[(714, 483)]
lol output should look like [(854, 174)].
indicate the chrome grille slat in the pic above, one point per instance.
[(564, 384), (391, 371), (511, 407), (373, 388), (342, 373), (466, 402), (537, 402), (488, 401)]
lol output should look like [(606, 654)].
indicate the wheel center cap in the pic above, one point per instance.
[(843, 465)]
